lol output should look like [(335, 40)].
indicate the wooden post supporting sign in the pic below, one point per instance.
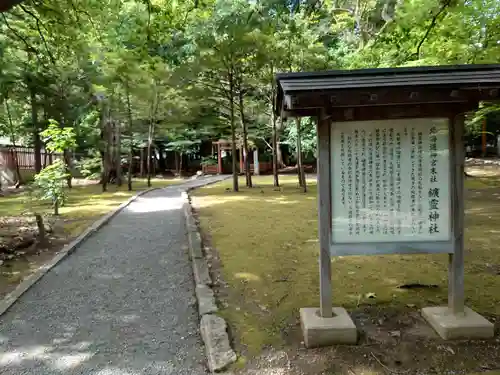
[(324, 215)]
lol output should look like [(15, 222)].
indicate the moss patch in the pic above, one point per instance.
[(267, 242)]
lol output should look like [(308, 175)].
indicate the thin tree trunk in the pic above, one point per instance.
[(299, 176), (105, 170), (151, 130), (275, 153), (104, 150), (37, 142), (141, 167), (176, 162), (118, 155), (13, 141), (279, 154), (66, 153), (41, 228), (300, 166), (67, 161), (246, 159), (180, 164), (150, 142), (274, 136), (13, 155), (233, 131), (131, 149), (130, 161)]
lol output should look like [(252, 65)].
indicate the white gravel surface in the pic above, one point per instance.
[(122, 304)]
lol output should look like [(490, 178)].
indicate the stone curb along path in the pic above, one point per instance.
[(31, 280), (213, 328)]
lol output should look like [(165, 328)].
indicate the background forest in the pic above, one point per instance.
[(138, 76)]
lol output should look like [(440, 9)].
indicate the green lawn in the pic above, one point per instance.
[(267, 242), (85, 202)]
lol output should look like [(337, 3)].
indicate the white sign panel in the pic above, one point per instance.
[(390, 181)]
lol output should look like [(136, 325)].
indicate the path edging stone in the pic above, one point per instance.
[(213, 328), (11, 298)]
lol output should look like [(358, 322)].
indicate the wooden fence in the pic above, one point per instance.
[(25, 158)]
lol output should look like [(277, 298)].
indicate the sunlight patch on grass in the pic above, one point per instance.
[(247, 276), (85, 203), (272, 234)]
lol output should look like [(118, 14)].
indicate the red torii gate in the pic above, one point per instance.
[(225, 145)]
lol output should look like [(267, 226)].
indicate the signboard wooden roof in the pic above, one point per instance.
[(304, 94)]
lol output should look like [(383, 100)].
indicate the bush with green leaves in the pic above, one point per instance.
[(50, 184), (91, 167), (58, 139), (208, 160)]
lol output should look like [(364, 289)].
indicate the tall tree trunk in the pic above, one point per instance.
[(118, 155), (274, 143), (274, 136), (246, 159), (279, 154), (13, 142), (68, 162), (104, 149), (233, 130), (300, 166), (151, 130), (41, 228), (131, 148), (130, 162), (141, 167), (150, 143), (37, 142), (66, 153), (180, 164)]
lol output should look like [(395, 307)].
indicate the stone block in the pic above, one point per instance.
[(214, 335), (195, 250), (206, 300), (200, 271), (318, 331), (469, 325)]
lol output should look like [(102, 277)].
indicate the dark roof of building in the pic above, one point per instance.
[(452, 76)]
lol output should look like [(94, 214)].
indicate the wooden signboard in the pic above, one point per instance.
[(390, 171)]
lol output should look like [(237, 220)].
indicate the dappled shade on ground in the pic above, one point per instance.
[(267, 242)]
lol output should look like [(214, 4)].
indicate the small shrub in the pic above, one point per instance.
[(208, 160), (50, 184), (91, 167)]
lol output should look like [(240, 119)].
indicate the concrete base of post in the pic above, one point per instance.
[(468, 325), (318, 331)]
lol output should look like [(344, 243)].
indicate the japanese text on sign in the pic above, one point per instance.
[(390, 181)]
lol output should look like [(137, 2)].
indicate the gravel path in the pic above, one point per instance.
[(122, 304)]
